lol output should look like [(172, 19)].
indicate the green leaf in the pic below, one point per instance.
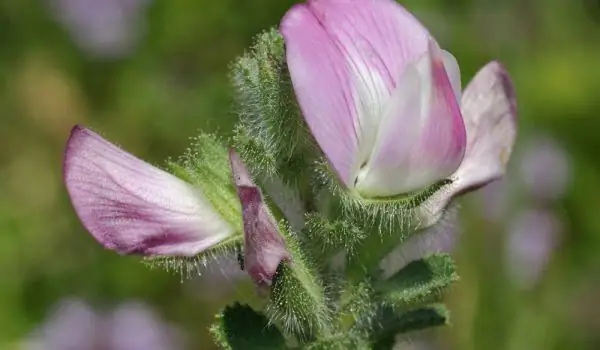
[(421, 281), (390, 323), (239, 327)]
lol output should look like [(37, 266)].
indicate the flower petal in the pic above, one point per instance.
[(322, 87), (345, 58), (264, 247), (422, 137), (134, 208), (489, 112)]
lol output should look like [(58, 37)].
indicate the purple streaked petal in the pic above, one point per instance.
[(264, 247), (322, 86), (422, 137), (489, 112), (378, 39), (133, 207)]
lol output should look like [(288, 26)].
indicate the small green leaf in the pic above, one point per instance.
[(421, 281), (239, 327), (390, 323), (356, 308)]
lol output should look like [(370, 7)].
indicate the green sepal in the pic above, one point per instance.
[(385, 214), (239, 327), (271, 136), (189, 267), (390, 322), (255, 153), (420, 282), (324, 237), (205, 165), (297, 302)]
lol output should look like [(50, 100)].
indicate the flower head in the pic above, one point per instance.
[(133, 207), (384, 102)]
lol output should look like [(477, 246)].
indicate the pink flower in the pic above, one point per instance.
[(133, 207), (74, 325), (545, 168), (534, 235), (107, 29), (384, 102)]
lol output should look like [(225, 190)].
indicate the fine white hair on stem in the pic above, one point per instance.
[(442, 237)]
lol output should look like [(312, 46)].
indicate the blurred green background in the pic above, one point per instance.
[(151, 73)]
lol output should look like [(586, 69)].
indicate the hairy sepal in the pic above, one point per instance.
[(270, 136), (297, 302)]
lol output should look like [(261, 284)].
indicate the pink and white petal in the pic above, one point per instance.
[(322, 84), (422, 138), (398, 132), (264, 247), (453, 71), (378, 39), (133, 207), (490, 114)]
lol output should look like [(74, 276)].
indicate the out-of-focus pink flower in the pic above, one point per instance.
[(74, 325), (133, 207), (494, 200), (544, 167), (532, 237), (103, 28), (384, 102), (264, 247)]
